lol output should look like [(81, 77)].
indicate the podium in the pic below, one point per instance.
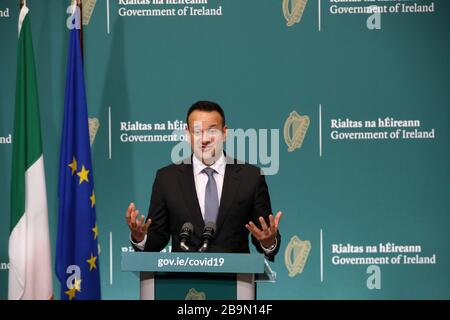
[(198, 276)]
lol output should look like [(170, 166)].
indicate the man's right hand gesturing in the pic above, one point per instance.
[(138, 227)]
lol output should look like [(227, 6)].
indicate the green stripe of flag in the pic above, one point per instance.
[(27, 146)]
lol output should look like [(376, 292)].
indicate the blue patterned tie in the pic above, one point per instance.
[(211, 197)]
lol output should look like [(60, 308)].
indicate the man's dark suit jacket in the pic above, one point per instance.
[(245, 197)]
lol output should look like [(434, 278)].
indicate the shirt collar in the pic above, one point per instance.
[(219, 165)]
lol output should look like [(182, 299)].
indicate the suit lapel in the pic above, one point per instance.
[(229, 190), (187, 183)]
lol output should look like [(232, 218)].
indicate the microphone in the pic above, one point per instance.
[(185, 235), (207, 236)]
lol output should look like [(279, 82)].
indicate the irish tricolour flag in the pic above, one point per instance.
[(30, 275)]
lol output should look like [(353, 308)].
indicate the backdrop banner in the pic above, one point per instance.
[(345, 105)]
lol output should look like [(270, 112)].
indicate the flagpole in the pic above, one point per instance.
[(79, 4)]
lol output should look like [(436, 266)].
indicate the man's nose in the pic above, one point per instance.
[(206, 138)]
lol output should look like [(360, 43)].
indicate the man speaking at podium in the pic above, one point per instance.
[(207, 189)]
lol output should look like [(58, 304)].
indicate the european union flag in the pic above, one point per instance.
[(77, 263)]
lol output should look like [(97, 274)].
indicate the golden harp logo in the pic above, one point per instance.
[(94, 124), (296, 255), (195, 295), (293, 11), (88, 9), (295, 129)]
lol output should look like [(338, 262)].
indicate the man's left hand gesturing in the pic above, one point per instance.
[(267, 234)]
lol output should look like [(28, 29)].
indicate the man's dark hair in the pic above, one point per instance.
[(207, 106)]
